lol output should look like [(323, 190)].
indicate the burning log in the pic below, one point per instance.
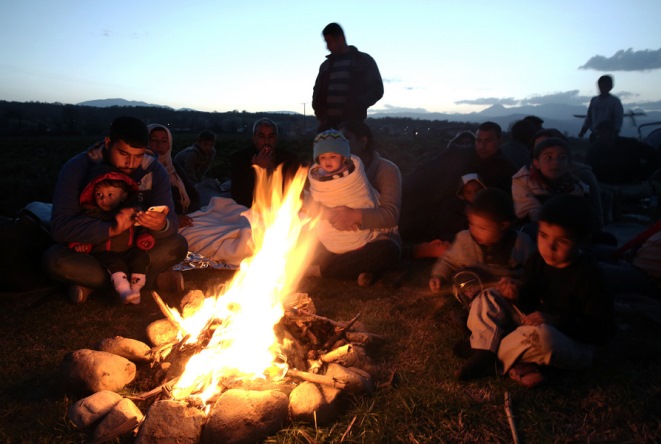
[(339, 332)]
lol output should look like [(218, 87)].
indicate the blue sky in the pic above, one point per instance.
[(438, 56)]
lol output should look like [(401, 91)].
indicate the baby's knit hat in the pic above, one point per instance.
[(331, 141)]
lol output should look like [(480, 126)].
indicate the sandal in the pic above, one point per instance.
[(526, 374)]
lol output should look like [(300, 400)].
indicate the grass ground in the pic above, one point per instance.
[(619, 400)]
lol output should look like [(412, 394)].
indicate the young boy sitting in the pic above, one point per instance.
[(454, 220), (338, 179), (566, 308), (548, 175), (490, 246), (108, 197)]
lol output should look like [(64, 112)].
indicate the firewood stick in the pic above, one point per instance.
[(510, 417), (336, 354), (321, 318), (164, 309), (153, 392), (340, 331), (317, 379)]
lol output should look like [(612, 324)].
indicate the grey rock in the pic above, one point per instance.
[(171, 421), (89, 410), (94, 371), (244, 417), (131, 349)]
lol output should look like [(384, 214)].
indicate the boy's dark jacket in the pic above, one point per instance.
[(575, 297)]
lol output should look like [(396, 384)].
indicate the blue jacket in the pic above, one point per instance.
[(69, 222)]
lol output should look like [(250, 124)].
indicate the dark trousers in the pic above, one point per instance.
[(379, 255), (66, 265), (133, 260)]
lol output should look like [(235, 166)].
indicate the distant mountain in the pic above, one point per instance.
[(107, 103), (555, 115)]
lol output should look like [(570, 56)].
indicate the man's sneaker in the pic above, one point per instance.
[(170, 281), (365, 279), (79, 294)]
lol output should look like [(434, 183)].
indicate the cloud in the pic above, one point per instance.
[(567, 97), (648, 106), (626, 60), (397, 109), (488, 101)]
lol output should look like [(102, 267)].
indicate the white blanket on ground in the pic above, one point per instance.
[(220, 232), (353, 191)]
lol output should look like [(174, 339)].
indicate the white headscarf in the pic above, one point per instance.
[(166, 160)]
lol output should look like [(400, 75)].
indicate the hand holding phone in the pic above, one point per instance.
[(154, 209)]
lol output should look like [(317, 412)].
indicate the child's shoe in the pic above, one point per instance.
[(137, 283), (122, 286)]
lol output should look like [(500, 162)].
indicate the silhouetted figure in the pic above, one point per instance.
[(603, 107), (348, 82), (537, 122), (518, 149)]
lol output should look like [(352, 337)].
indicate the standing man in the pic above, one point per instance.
[(263, 154), (348, 82), (125, 150)]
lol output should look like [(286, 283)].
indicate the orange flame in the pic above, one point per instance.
[(244, 346)]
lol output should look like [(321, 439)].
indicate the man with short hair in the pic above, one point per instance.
[(197, 158), (488, 161), (264, 154), (125, 149), (348, 82)]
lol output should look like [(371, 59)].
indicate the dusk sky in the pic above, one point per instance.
[(436, 56)]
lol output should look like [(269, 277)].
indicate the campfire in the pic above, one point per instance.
[(238, 365)]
